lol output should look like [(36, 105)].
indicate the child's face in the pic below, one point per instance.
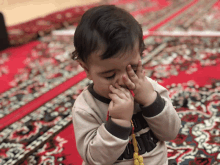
[(117, 65)]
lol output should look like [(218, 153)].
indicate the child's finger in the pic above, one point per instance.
[(131, 73), (144, 72), (139, 68), (114, 98), (118, 92), (128, 82), (125, 91)]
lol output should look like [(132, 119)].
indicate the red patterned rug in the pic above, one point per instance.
[(31, 30), (39, 84)]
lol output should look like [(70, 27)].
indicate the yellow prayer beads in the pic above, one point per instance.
[(135, 155), (138, 160)]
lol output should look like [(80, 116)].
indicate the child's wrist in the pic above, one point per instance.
[(151, 99), (121, 122)]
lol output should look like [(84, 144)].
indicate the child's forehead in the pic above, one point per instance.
[(119, 59), (116, 62)]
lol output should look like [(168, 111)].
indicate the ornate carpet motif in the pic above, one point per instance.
[(203, 16), (23, 33), (46, 66), (188, 54), (199, 109)]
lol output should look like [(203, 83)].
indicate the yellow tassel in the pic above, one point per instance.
[(133, 137), (138, 160), (136, 149), (135, 155)]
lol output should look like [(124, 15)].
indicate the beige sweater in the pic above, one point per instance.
[(105, 143)]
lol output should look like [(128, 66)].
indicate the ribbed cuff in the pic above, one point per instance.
[(117, 130), (155, 108)]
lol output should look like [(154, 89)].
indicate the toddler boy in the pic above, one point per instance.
[(107, 41)]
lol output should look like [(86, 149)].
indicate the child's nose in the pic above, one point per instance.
[(121, 82)]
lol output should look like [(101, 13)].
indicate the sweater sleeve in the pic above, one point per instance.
[(98, 143), (161, 116)]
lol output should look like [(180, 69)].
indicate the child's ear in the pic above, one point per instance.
[(83, 65)]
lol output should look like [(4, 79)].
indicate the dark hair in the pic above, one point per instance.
[(107, 28)]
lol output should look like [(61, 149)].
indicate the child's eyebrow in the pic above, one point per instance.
[(135, 65)]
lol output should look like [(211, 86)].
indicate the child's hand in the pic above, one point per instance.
[(142, 88), (122, 105)]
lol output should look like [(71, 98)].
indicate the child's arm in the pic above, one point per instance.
[(98, 143), (161, 116)]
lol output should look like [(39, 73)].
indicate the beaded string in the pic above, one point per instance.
[(138, 159)]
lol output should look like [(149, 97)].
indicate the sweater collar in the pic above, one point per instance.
[(97, 96)]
